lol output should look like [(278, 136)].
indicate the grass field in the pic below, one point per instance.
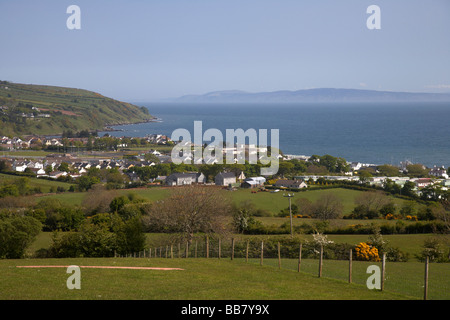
[(43, 184), (275, 202), (204, 279), (270, 202)]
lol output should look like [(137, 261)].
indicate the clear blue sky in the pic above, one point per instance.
[(140, 50)]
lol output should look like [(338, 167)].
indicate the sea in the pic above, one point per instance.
[(370, 133)]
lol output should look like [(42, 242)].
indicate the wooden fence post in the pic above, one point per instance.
[(232, 248), (350, 258), (383, 271), (425, 287), (320, 261), (246, 252), (220, 248), (196, 248), (207, 246), (187, 249), (171, 251), (279, 256), (299, 257), (262, 252), (179, 250)]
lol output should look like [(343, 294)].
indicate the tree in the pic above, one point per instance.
[(190, 209), (364, 176), (285, 168), (333, 164), (64, 166), (417, 170), (372, 200), (328, 206), (92, 240), (392, 187), (17, 233), (388, 170), (118, 203), (86, 182), (408, 189), (305, 206), (131, 236), (98, 199)]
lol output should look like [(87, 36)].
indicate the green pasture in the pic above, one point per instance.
[(276, 201), (44, 184), (273, 203)]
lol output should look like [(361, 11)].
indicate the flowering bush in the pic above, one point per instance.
[(366, 252), (321, 239)]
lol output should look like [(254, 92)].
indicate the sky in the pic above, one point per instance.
[(138, 50)]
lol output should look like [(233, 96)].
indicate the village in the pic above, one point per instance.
[(71, 163)]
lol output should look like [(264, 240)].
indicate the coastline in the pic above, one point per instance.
[(109, 127)]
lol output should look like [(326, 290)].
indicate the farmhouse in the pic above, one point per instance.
[(293, 184), (225, 178), (179, 179)]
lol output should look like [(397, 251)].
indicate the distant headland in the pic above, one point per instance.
[(314, 95)]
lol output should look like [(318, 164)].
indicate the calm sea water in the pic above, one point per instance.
[(365, 132)]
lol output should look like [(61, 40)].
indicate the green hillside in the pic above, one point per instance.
[(37, 109)]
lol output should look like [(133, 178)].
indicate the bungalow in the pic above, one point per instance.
[(180, 179), (293, 184), (225, 179), (39, 172), (57, 174), (421, 183)]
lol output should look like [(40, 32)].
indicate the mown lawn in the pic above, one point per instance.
[(204, 279)]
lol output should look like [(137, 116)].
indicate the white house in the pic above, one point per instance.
[(294, 184), (439, 172), (225, 178)]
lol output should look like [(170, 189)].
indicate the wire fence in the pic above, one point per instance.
[(424, 280)]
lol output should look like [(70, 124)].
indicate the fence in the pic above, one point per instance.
[(416, 279)]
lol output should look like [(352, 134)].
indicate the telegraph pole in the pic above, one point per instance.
[(289, 195)]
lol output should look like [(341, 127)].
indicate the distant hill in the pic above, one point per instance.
[(38, 109), (315, 95)]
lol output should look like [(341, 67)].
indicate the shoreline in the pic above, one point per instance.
[(109, 128)]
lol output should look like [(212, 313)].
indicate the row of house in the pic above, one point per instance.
[(230, 179), (16, 143)]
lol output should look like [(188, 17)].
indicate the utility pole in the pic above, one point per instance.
[(289, 195)]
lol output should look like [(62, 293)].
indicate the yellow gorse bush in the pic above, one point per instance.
[(366, 252)]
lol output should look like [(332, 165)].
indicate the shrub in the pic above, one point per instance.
[(432, 248), (90, 241), (16, 235), (366, 252)]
